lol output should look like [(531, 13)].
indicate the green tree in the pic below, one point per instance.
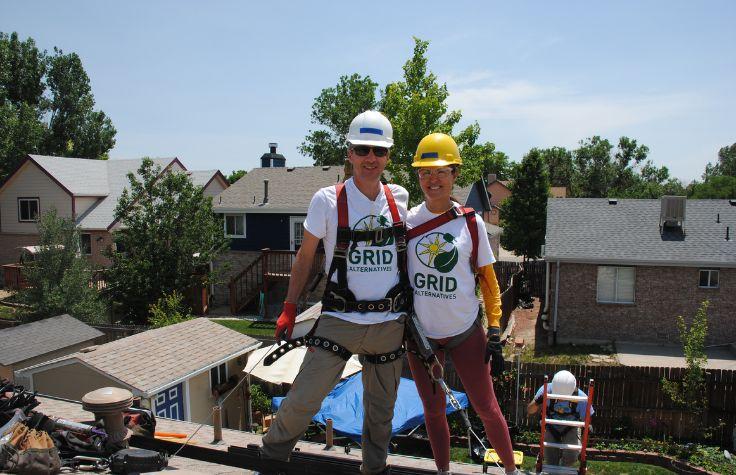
[(333, 110), (715, 187), (236, 175), (417, 107), (169, 310), (170, 235), (59, 277), (726, 164), (594, 168), (560, 166), (690, 393), (47, 106), (524, 213)]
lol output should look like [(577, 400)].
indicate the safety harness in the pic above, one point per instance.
[(451, 214), (559, 432), (339, 298)]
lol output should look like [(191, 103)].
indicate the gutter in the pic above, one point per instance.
[(545, 310), (557, 295)]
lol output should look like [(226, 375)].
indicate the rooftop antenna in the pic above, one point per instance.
[(727, 229), (718, 218)]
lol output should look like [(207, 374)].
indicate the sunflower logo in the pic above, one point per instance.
[(372, 222), (437, 251)]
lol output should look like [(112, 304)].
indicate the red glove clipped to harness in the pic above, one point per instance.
[(285, 323)]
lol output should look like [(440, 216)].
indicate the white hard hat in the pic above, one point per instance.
[(564, 382), (371, 128)]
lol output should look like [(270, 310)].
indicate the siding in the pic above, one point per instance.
[(31, 181), (83, 203), (214, 189), (200, 398), (263, 231), (71, 381)]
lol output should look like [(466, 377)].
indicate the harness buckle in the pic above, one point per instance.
[(455, 212), (378, 235), (339, 298), (340, 251)]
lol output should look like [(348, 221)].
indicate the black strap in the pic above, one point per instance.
[(386, 357)]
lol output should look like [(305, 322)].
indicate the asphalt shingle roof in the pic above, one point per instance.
[(592, 230), (83, 177), (154, 359), (201, 177), (44, 336), (101, 214), (289, 189)]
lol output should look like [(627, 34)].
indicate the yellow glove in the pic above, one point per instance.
[(491, 295)]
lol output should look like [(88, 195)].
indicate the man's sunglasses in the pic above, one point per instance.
[(364, 150)]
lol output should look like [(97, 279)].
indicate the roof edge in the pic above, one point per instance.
[(634, 262)]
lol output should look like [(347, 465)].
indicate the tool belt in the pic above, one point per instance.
[(338, 297)]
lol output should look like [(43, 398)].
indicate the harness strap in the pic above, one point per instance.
[(456, 340), (386, 357), (446, 217), (329, 345)]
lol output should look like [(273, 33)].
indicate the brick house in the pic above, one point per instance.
[(626, 269), (81, 189)]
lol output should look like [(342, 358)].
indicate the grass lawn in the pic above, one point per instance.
[(248, 327), (7, 313), (460, 454), (570, 354)]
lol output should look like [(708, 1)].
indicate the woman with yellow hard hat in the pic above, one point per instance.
[(448, 248)]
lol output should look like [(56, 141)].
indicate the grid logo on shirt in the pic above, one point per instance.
[(370, 223), (437, 251)]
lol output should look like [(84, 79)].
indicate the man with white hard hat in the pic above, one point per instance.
[(563, 382), (361, 222)]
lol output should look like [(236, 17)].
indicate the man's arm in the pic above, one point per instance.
[(299, 275), (301, 267), (532, 408)]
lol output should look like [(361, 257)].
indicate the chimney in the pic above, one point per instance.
[(491, 178), (272, 147), (265, 191), (272, 158)]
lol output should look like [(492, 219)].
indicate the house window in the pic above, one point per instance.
[(235, 225), (85, 244), (708, 278), (28, 210), (616, 284), (218, 375)]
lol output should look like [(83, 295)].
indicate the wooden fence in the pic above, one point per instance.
[(628, 400), (533, 275)]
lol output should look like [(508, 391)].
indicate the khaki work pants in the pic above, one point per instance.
[(321, 371), (564, 457)]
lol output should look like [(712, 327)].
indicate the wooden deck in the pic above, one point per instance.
[(203, 439)]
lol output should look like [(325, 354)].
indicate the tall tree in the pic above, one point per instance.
[(726, 164), (170, 234), (715, 187), (334, 109), (594, 169), (417, 107), (59, 276), (560, 166), (47, 106), (524, 213), (236, 175)]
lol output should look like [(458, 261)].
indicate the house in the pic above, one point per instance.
[(267, 207), (174, 370), (625, 269), (498, 190), (32, 343), (86, 191)]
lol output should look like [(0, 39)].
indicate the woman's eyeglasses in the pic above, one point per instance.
[(364, 150), (441, 173)]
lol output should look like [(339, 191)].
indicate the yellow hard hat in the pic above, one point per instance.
[(437, 150)]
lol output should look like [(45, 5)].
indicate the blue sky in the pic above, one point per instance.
[(213, 82)]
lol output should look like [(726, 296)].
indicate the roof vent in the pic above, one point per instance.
[(732, 202), (290, 169), (89, 349), (672, 214), (612, 201), (265, 191), (325, 168)]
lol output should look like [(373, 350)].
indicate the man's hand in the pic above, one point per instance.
[(494, 351), (285, 323)]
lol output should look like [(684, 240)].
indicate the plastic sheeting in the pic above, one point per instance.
[(285, 369), (344, 405)]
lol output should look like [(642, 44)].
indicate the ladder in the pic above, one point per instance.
[(555, 469)]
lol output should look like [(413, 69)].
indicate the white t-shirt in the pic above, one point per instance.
[(372, 267), (440, 273)]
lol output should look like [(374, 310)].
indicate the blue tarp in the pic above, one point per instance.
[(344, 405)]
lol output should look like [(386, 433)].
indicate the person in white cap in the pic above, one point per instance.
[(563, 382), (361, 222)]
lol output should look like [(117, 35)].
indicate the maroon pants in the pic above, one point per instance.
[(476, 378)]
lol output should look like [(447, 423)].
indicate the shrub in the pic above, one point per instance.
[(168, 310)]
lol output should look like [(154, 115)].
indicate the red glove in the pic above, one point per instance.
[(285, 323)]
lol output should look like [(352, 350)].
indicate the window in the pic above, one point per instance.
[(616, 284), (708, 278), (28, 210), (235, 225), (86, 243), (218, 375)]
